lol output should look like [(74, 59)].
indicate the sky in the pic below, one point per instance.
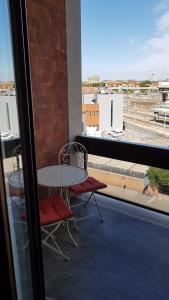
[(125, 39), (6, 65)]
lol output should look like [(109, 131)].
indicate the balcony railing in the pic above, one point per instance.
[(132, 152), (123, 167)]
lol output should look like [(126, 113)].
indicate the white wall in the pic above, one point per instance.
[(13, 116), (104, 101), (73, 29), (87, 98)]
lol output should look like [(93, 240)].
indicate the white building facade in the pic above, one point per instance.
[(110, 110), (8, 115)]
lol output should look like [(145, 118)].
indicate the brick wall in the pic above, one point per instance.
[(48, 60), (91, 114)]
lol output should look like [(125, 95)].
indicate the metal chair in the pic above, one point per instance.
[(17, 158), (15, 178), (53, 213), (75, 154)]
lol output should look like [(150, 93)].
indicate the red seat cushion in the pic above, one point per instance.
[(53, 210), (89, 185)]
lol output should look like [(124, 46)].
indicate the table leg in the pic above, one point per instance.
[(67, 196), (49, 192), (61, 191), (67, 199)]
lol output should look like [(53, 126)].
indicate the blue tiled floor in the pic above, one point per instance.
[(122, 258)]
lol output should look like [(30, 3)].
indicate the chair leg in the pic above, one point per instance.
[(74, 225), (67, 196), (45, 243), (58, 250), (86, 202), (70, 235), (50, 235), (97, 205)]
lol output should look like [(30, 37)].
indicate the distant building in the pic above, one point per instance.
[(163, 86), (7, 85), (90, 114), (93, 79), (110, 110), (164, 90), (8, 115), (122, 83), (8, 92), (89, 90), (161, 111)]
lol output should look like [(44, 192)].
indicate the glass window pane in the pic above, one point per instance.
[(125, 71), (12, 161), (138, 184)]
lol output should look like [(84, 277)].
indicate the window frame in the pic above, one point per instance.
[(18, 24)]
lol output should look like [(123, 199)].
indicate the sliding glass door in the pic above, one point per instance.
[(20, 229)]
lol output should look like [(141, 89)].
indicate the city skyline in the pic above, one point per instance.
[(125, 39)]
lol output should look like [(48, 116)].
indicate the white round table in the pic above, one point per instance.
[(52, 176), (61, 176)]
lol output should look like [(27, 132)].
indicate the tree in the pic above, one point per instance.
[(159, 178), (145, 83), (130, 91), (98, 84)]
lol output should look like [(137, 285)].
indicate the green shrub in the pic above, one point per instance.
[(145, 83), (159, 178)]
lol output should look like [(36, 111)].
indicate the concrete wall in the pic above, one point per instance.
[(118, 180), (73, 30), (8, 123)]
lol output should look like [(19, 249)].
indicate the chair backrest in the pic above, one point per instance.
[(74, 154), (17, 158)]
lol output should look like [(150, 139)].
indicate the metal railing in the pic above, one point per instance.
[(138, 153)]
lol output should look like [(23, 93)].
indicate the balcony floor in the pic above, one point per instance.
[(126, 257)]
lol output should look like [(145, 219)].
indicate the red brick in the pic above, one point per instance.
[(48, 60)]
